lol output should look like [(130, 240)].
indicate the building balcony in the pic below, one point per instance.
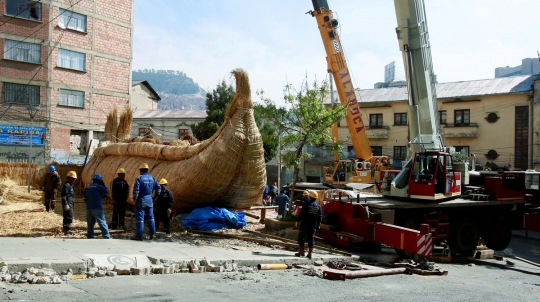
[(460, 130), (374, 132)]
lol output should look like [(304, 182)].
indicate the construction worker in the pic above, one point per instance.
[(93, 197), (120, 193), (68, 201), (310, 221), (142, 194), (302, 201), (163, 204), (51, 184)]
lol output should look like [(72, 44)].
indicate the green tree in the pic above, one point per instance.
[(268, 132), (303, 121), (216, 105)]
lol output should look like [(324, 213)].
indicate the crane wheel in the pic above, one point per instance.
[(498, 233), (464, 236)]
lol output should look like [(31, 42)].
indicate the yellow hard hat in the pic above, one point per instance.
[(163, 181), (72, 174), (306, 193), (121, 170), (313, 194), (144, 166)]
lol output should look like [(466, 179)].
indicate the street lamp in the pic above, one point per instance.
[(32, 110)]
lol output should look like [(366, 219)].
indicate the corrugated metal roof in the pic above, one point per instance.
[(517, 84), (157, 114)]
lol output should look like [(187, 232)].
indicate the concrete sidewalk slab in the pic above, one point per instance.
[(80, 254)]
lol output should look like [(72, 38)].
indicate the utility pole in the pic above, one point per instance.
[(32, 110)]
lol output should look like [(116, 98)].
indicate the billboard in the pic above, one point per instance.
[(20, 135)]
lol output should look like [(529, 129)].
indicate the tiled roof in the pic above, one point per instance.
[(507, 85)]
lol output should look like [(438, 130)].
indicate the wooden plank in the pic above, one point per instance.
[(294, 242), (527, 261), (252, 215), (263, 207)]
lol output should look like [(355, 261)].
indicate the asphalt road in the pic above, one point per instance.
[(488, 280)]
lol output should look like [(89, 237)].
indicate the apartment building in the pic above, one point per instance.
[(498, 120), (71, 61)]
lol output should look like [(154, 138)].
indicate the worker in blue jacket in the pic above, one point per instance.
[(142, 194), (93, 197), (282, 201)]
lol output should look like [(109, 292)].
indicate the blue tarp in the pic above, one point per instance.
[(211, 219)]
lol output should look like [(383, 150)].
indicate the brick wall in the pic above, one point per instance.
[(116, 9), (75, 114), (112, 39), (23, 70), (70, 77), (24, 27), (19, 112), (111, 75), (87, 5), (72, 37), (60, 139), (103, 104)]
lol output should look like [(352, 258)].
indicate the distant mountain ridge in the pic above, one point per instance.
[(176, 89)]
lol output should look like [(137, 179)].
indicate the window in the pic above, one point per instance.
[(144, 131), (71, 98), (350, 151), (21, 94), (24, 9), (71, 20), (400, 152), (400, 119), (376, 150), (22, 51), (442, 117), (465, 149), (462, 117), (71, 59), (375, 120), (182, 132)]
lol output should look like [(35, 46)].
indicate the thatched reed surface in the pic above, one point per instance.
[(226, 170), (18, 172)]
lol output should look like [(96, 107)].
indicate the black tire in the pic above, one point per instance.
[(464, 236), (410, 222), (498, 233)]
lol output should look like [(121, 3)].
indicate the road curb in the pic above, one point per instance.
[(19, 265)]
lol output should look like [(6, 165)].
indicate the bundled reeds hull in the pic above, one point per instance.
[(226, 170)]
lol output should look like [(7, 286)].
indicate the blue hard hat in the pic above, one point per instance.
[(52, 169), (97, 177)]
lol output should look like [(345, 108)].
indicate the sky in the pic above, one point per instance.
[(277, 43)]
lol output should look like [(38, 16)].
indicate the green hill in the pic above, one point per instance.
[(176, 89)]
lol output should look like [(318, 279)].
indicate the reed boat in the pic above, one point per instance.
[(226, 170)]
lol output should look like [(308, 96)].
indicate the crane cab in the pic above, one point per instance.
[(432, 176)]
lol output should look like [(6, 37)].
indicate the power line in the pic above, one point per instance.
[(26, 37)]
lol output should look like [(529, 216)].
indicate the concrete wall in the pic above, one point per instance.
[(141, 98), (528, 66), (167, 127), (480, 137), (535, 131)]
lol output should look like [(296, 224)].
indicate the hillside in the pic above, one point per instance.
[(176, 89)]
